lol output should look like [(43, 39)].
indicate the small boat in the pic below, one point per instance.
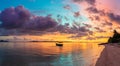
[(59, 44), (34, 41)]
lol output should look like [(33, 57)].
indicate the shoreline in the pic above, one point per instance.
[(110, 56), (102, 43)]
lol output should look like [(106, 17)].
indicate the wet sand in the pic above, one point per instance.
[(110, 56)]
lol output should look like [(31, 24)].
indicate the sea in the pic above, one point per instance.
[(48, 54)]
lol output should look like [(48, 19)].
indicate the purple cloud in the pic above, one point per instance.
[(40, 23), (19, 17), (14, 17), (95, 10), (114, 17)]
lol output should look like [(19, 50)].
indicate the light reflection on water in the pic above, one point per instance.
[(48, 54)]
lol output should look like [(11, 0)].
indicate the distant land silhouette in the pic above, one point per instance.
[(4, 41)]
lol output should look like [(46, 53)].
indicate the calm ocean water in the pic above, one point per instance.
[(48, 54)]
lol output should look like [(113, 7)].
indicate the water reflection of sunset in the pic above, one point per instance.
[(72, 53)]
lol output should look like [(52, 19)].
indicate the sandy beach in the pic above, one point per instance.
[(110, 56)]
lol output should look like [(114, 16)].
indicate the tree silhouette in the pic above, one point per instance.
[(115, 38)]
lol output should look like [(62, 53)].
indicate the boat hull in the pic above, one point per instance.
[(58, 44)]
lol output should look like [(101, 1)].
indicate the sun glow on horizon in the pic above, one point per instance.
[(59, 20)]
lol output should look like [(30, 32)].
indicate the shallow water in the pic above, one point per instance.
[(48, 54)]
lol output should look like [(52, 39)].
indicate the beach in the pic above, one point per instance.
[(110, 56)]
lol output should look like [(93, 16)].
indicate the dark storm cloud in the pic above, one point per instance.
[(14, 17)]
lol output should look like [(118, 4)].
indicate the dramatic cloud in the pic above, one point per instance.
[(77, 30), (40, 23), (114, 17), (14, 17), (81, 31), (19, 17), (19, 21)]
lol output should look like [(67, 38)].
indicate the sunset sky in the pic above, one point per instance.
[(63, 20)]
